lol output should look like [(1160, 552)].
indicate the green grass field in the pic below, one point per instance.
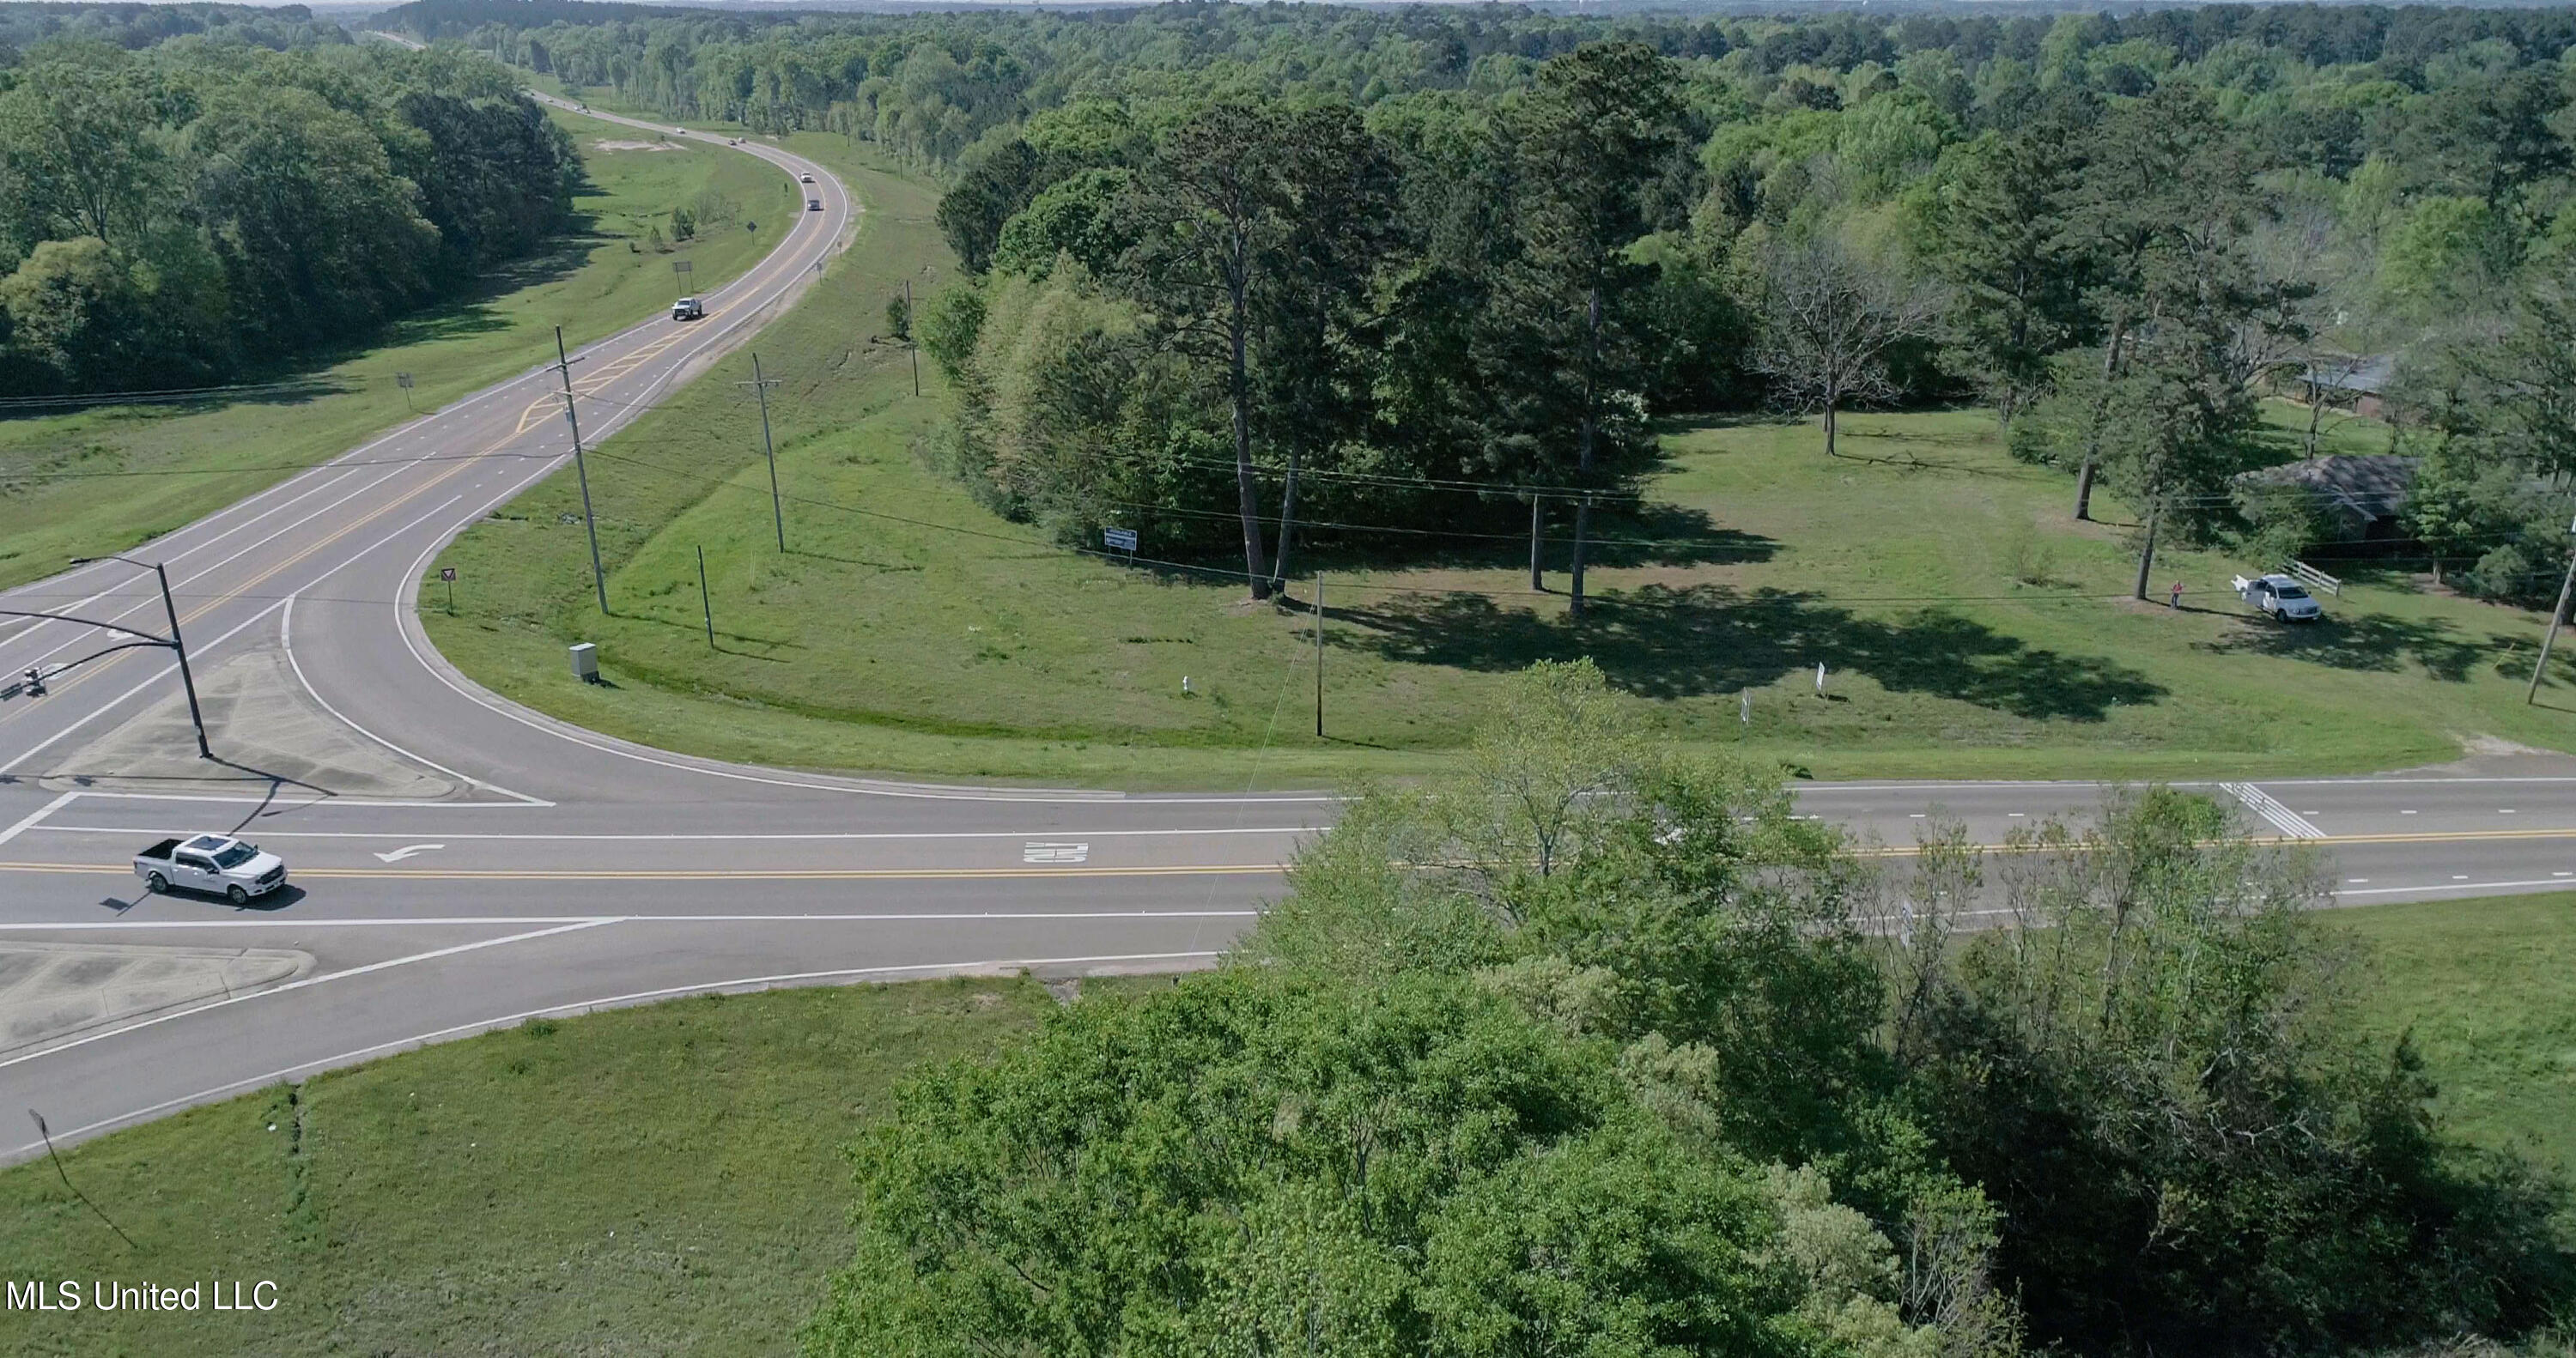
[(2488, 988), (667, 1180), (107, 478), (907, 629), (662, 1180)]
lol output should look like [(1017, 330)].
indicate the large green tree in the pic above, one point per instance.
[(1595, 136)]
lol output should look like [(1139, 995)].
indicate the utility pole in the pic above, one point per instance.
[(777, 511), (911, 328), (706, 602), (1582, 530), (1319, 655), (1287, 526), (581, 469), (1538, 508), (2557, 619)]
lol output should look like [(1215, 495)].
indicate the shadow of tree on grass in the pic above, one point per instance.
[(1661, 642), (2373, 642)]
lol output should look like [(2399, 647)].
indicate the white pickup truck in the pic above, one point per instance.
[(2279, 597), (688, 309), (218, 865)]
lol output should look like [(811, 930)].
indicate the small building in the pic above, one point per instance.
[(2359, 385), (2362, 493)]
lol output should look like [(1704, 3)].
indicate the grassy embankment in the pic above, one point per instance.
[(1968, 625), (142, 470), (666, 1179), (662, 1180)]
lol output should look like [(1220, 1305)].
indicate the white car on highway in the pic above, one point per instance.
[(218, 865)]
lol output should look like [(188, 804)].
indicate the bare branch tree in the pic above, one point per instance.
[(1828, 320)]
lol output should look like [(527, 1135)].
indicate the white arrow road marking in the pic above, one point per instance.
[(407, 851), (1040, 851)]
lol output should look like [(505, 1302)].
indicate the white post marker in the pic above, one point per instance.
[(1744, 710), (1820, 678)]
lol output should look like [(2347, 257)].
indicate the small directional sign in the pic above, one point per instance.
[(447, 573), (1122, 539), (403, 380)]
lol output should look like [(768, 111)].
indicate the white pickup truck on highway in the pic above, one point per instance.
[(218, 865), (2279, 597)]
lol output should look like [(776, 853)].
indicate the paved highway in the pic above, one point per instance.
[(462, 862)]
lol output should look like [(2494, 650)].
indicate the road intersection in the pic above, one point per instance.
[(464, 863)]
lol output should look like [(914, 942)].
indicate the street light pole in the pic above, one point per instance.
[(177, 644), (187, 680)]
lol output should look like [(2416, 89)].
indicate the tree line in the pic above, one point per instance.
[(175, 216), (1515, 238), (1593, 1049)]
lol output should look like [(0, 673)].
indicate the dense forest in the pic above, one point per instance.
[(192, 193), (1482, 248)]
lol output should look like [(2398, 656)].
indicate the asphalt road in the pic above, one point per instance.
[(461, 863)]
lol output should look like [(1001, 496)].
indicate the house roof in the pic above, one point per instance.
[(2373, 485), (2367, 376)]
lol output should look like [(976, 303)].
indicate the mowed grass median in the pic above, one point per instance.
[(107, 478), (661, 1180), (668, 1179)]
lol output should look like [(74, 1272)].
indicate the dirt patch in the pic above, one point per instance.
[(54, 990), (270, 738), (606, 144)]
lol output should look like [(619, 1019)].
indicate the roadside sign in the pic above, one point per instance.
[(403, 380), (447, 573), (1123, 539), (681, 266)]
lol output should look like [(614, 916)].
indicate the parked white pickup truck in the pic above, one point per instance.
[(218, 865), (2279, 597)]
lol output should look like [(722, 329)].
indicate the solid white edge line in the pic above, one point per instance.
[(2366, 780), (2458, 886), (283, 805), (28, 821), (309, 981), (458, 921), (583, 1006), (819, 835), (286, 643)]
